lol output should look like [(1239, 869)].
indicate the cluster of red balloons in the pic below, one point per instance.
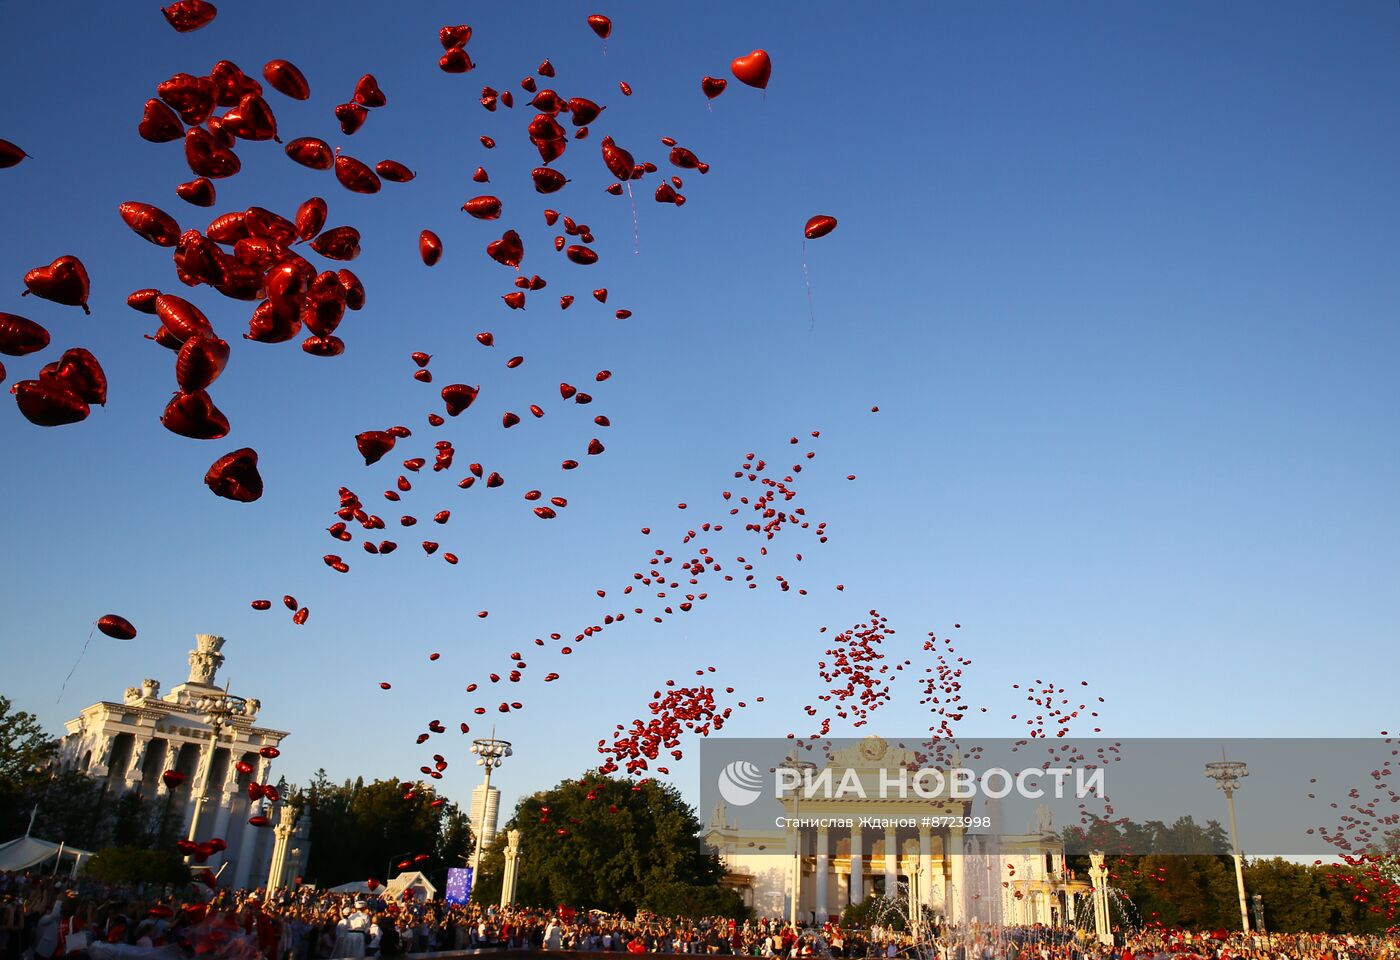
[(858, 669), (1056, 714), (677, 711), (268, 260)]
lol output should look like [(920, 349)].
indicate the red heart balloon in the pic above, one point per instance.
[(187, 15), (483, 208), (352, 116), (324, 305), (338, 243), (354, 289), (193, 98), (819, 226), (118, 628), (355, 175), (509, 250), (20, 336), (458, 397), (311, 217), (455, 60), (754, 69), (429, 249), (10, 154), (79, 372), (287, 79), (252, 119), (173, 778), (199, 363), (547, 179), (394, 171), (232, 83), (455, 36), (159, 124), (234, 476), (713, 86), (63, 281), (367, 92), (374, 444), (311, 152), (194, 415), (618, 161), (182, 318), (199, 192), (271, 324), (150, 223), (331, 346), (207, 157)]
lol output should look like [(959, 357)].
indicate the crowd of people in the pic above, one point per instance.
[(45, 918)]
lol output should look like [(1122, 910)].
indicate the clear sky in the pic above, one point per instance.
[(1120, 277)]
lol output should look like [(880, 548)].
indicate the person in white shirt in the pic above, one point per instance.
[(356, 927)]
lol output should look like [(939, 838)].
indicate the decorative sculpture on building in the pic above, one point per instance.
[(150, 689), (206, 659)]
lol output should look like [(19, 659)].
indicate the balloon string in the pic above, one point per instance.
[(76, 662), (636, 234), (807, 275)]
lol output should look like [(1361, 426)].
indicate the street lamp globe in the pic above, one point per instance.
[(1227, 774)]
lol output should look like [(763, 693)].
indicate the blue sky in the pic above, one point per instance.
[(1120, 278)]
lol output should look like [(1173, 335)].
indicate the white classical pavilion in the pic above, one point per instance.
[(963, 878), (130, 744)]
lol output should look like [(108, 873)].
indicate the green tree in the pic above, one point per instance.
[(72, 809), (361, 830), (609, 844), (26, 754), (135, 864)]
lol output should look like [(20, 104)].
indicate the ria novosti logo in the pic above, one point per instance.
[(740, 783)]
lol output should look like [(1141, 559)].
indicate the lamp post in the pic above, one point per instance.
[(217, 710), (1227, 775), (489, 754), (801, 767)]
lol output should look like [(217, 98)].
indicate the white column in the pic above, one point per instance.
[(926, 866), (512, 868), (199, 785), (1098, 876), (958, 881), (139, 744), (857, 885), (794, 874), (282, 833), (891, 863), (243, 866), (820, 877), (224, 794)]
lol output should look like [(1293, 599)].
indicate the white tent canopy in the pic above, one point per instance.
[(25, 852), (415, 881), (394, 889), (359, 886)]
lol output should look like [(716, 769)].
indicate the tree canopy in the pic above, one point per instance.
[(611, 844), (361, 830)]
